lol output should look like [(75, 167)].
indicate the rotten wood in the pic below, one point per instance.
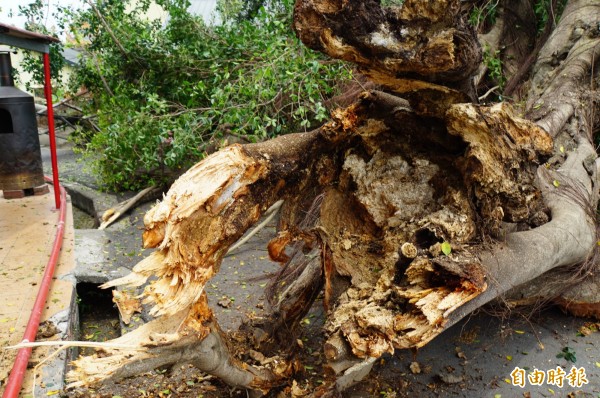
[(417, 41)]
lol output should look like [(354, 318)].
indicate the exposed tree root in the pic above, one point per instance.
[(420, 210), (191, 336), (388, 282)]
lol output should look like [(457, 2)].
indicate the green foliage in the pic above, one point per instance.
[(247, 10), (141, 142), (164, 91), (543, 10), (32, 61), (484, 14), (387, 3), (493, 61)]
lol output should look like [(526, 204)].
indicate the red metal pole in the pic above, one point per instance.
[(15, 380), (51, 131)]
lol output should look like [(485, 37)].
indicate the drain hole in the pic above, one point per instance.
[(82, 220), (98, 316)]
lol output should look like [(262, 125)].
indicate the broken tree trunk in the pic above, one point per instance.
[(421, 209)]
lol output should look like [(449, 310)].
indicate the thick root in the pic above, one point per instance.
[(186, 337)]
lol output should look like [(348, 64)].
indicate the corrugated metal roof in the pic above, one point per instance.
[(71, 55)]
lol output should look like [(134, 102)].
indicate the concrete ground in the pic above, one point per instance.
[(27, 231), (475, 358)]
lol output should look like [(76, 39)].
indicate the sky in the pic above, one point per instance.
[(7, 5)]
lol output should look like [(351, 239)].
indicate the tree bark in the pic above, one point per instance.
[(422, 208)]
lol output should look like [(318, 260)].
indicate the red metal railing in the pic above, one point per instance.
[(51, 131)]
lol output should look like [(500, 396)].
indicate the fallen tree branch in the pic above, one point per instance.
[(71, 343), (114, 213), (43, 108), (270, 214), (190, 336)]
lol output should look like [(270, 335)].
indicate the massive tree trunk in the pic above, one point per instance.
[(424, 205)]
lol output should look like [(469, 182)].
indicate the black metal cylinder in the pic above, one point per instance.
[(20, 154), (6, 78)]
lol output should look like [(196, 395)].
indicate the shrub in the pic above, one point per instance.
[(164, 91)]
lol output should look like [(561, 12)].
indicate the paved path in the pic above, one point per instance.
[(27, 231)]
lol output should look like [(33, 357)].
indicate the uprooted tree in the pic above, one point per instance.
[(409, 209)]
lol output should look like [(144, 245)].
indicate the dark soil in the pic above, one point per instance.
[(98, 319)]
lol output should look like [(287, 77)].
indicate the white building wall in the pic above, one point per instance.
[(204, 8)]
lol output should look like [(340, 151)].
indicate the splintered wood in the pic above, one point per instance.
[(384, 225), (203, 214), (190, 226), (501, 162), (396, 229)]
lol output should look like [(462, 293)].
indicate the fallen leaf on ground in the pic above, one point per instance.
[(46, 329), (450, 379), (225, 302), (588, 328), (415, 368)]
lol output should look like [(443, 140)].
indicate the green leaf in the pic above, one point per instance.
[(446, 248), (568, 354)]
